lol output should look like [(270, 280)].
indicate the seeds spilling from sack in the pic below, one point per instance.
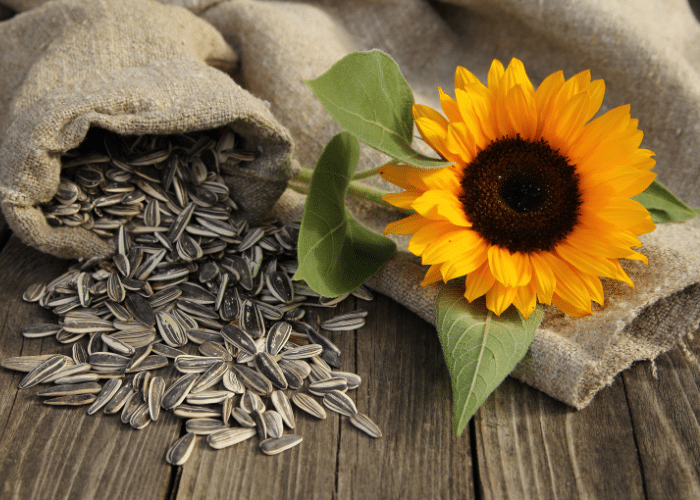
[(187, 270)]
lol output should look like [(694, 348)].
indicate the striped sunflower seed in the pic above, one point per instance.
[(309, 405), (181, 450), (229, 437), (365, 424), (273, 446)]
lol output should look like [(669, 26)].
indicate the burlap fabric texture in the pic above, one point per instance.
[(132, 67), (622, 42), (627, 43)]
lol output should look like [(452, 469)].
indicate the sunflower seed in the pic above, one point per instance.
[(230, 305), (141, 382), (190, 411), (87, 325), (251, 401), (273, 423), (239, 338), (281, 403), (34, 292), (79, 354), (178, 391), (72, 400), (309, 405), (252, 319), (267, 365), (253, 380), (118, 346), (339, 402), (210, 376), (119, 399), (71, 389), (150, 363), (69, 371), (167, 351), (140, 309), (242, 417), (109, 390), (365, 424), (138, 356), (39, 330), (43, 371), (204, 426), (303, 352), (139, 418), (155, 393), (212, 349), (208, 397), (229, 437), (203, 335), (231, 382), (107, 361), (273, 446), (346, 322), (353, 379), (195, 364), (170, 330), (277, 336), (181, 450)]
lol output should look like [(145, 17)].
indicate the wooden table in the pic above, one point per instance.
[(639, 438)]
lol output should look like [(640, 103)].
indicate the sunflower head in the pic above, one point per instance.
[(537, 204)]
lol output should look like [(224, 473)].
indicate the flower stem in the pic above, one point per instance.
[(301, 184), (367, 173)]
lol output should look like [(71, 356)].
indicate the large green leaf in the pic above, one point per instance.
[(664, 206), (480, 348), (367, 95), (336, 253)]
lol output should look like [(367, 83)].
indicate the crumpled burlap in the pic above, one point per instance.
[(645, 50), (132, 67), (623, 42)]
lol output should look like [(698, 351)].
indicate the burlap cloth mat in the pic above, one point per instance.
[(647, 51)]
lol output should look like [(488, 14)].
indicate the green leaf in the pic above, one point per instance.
[(367, 95), (480, 348), (664, 206), (336, 253)]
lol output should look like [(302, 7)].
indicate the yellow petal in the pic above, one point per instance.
[(478, 283), (500, 297), (407, 225), (436, 205), (450, 246), (432, 276), (543, 278), (425, 235), (526, 300), (522, 112), (511, 269), (402, 200)]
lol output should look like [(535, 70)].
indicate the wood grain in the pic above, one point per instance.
[(665, 410), (531, 446)]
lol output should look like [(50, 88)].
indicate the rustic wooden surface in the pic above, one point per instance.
[(638, 439)]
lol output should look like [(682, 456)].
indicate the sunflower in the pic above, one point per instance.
[(536, 206)]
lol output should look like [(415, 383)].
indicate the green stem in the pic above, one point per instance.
[(358, 190), (367, 173)]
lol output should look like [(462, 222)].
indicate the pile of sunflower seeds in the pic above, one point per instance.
[(187, 271)]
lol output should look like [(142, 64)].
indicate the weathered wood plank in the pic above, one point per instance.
[(406, 391), (531, 446), (665, 410), (48, 452)]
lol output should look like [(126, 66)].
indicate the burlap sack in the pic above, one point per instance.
[(132, 67), (626, 43)]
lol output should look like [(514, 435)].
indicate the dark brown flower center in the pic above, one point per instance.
[(521, 195)]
